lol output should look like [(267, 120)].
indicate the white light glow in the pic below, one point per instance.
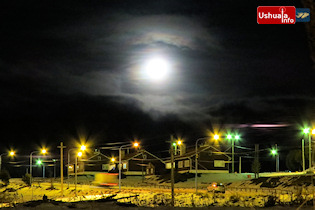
[(156, 69)]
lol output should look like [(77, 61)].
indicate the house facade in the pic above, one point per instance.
[(210, 160), (98, 162), (142, 162)]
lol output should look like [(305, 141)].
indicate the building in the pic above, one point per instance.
[(142, 162), (210, 160), (98, 162)]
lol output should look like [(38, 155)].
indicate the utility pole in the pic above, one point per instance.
[(172, 170), (303, 155), (61, 166)]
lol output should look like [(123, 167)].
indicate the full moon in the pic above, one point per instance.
[(156, 69)]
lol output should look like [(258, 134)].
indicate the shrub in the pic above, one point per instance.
[(27, 179), (5, 177)]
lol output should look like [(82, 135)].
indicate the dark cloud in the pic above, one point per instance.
[(75, 63)]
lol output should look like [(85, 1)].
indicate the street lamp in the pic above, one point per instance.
[(54, 160), (136, 144), (82, 148), (196, 161), (274, 152), (232, 139), (79, 154), (306, 131), (43, 151), (11, 153), (40, 162), (179, 143)]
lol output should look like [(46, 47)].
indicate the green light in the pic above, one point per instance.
[(306, 130), (237, 137), (229, 136), (274, 152), (174, 144), (39, 162)]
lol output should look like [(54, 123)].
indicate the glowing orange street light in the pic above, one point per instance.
[(83, 147), (216, 137), (44, 151), (113, 159)]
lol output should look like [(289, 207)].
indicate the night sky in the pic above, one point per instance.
[(73, 69)]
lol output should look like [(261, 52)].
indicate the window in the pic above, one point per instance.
[(180, 164), (125, 165), (219, 163), (168, 165), (187, 163)]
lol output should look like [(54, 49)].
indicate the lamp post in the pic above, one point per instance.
[(11, 153), (43, 151), (233, 138), (119, 165), (76, 171), (306, 131), (303, 155), (69, 164), (40, 162), (54, 160), (82, 148), (274, 152), (196, 162)]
